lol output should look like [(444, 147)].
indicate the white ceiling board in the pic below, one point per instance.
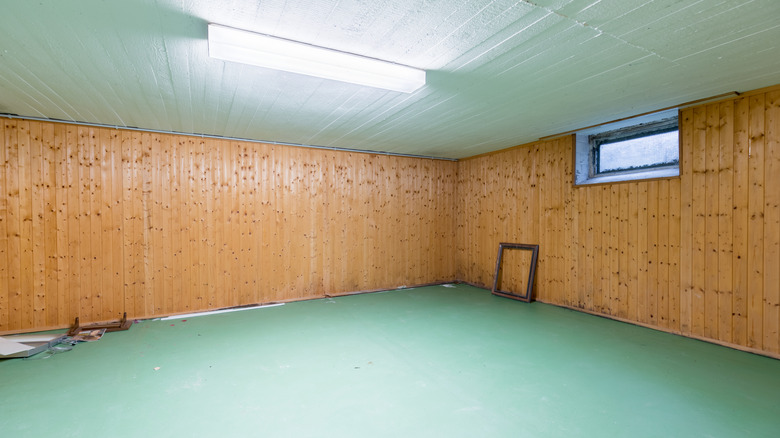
[(500, 72), (710, 30)]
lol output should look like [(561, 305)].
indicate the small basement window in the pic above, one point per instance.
[(639, 148)]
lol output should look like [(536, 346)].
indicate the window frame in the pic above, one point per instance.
[(589, 141)]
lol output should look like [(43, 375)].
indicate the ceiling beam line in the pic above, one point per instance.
[(219, 137)]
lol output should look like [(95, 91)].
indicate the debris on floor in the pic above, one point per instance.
[(15, 346), (122, 324), (27, 345), (86, 336)]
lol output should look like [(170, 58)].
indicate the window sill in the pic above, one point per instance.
[(631, 176)]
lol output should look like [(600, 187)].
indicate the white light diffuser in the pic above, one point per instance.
[(266, 51)]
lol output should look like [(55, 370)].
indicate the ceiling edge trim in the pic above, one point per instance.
[(680, 106), (219, 137), (724, 96)]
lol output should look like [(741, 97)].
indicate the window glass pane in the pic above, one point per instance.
[(638, 153)]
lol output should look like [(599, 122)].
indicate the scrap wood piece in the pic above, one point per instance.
[(121, 325)]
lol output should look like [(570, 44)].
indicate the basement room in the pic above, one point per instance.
[(417, 218)]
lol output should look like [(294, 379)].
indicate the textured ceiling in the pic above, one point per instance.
[(500, 73)]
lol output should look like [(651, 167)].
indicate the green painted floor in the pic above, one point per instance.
[(426, 362)]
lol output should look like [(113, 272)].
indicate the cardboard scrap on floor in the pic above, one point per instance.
[(87, 335)]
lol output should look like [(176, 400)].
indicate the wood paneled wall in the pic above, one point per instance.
[(697, 255), (97, 221)]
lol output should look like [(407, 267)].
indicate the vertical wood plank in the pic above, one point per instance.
[(73, 195), (5, 195), (229, 272), (154, 213), (86, 255), (586, 237), (96, 260), (614, 222), (149, 261), (699, 263), (27, 275), (198, 241), (675, 236), (317, 220), (61, 227), (725, 228), (192, 292), (247, 216), (170, 217), (604, 266), (771, 328), (560, 187), (216, 160), (632, 243), (686, 220), (177, 224), (128, 262), (267, 228), (553, 204), (189, 235), (642, 296), (711, 255), (276, 247), (545, 218), (300, 253), (117, 191), (576, 292), (37, 210), (740, 222), (622, 248), (206, 226), (51, 252), (284, 217), (56, 221), (572, 233), (653, 259), (183, 186), (14, 225), (139, 231), (164, 295), (756, 156), (103, 152), (662, 254), (533, 171)]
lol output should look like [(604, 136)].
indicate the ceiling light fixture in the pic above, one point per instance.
[(266, 51)]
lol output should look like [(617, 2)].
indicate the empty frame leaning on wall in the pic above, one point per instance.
[(528, 296)]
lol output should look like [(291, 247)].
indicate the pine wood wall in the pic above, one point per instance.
[(697, 255), (95, 222)]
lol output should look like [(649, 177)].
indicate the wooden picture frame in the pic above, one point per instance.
[(528, 297)]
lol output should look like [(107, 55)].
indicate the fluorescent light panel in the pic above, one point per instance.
[(266, 51)]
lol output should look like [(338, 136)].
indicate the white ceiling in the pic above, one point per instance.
[(500, 72)]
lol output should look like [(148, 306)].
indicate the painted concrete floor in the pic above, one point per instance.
[(426, 362)]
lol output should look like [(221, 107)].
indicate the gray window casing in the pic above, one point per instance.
[(583, 153)]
